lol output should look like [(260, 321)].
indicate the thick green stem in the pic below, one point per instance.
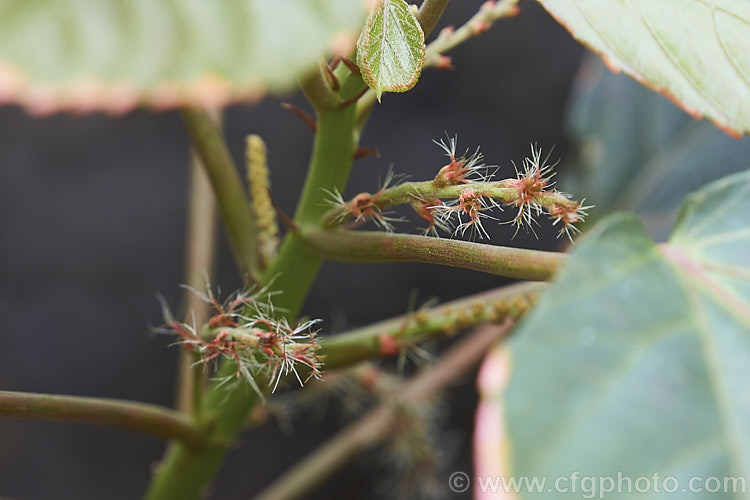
[(143, 417), (183, 474), (296, 266), (370, 246), (376, 425), (234, 205)]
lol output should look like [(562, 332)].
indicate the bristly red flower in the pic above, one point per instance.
[(470, 205), (531, 181), (425, 208), (461, 170), (364, 206), (243, 330), (468, 186), (568, 214)]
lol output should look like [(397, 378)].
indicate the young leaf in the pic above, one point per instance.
[(88, 55), (390, 49), (636, 361), (693, 51)]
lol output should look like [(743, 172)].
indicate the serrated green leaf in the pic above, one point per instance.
[(391, 49), (695, 51), (637, 151), (87, 55), (637, 360)]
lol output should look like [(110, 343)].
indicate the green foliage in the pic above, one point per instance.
[(694, 51), (637, 151), (390, 49), (637, 359), (634, 361), (113, 54)]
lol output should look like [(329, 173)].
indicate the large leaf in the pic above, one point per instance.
[(695, 51), (390, 49), (114, 54), (637, 360), (638, 152)]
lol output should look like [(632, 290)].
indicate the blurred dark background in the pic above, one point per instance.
[(92, 218)]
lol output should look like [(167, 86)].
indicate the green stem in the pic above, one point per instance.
[(430, 13), (296, 266), (200, 250), (478, 24), (234, 205), (370, 246), (183, 473), (152, 419), (379, 339), (378, 424)]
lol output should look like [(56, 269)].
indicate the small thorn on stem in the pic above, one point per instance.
[(352, 66), (447, 32), (365, 152), (389, 346), (354, 99), (347, 62), (309, 120), (479, 27), (335, 62), (444, 62), (333, 81), (285, 219)]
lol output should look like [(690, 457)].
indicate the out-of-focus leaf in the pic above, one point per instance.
[(637, 360), (695, 51), (390, 49), (638, 152), (86, 55)]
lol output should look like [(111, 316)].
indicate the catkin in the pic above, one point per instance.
[(260, 190)]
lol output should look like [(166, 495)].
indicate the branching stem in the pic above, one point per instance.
[(375, 426), (480, 22), (184, 474), (152, 419), (380, 339)]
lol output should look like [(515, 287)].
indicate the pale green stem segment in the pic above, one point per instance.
[(234, 204), (370, 246), (376, 425), (184, 474), (380, 339), (200, 252), (478, 24), (152, 419)]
